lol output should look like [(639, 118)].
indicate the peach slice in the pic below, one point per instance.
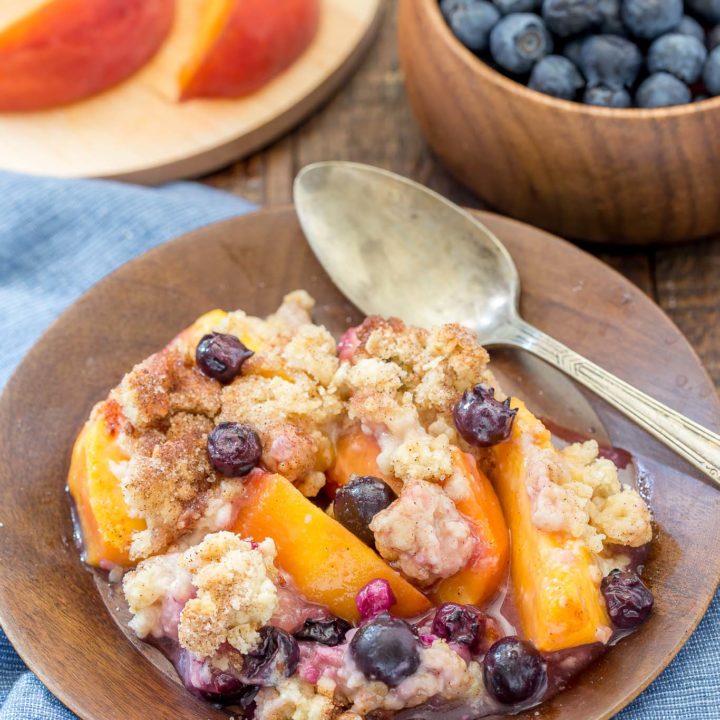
[(487, 568), (355, 454), (327, 562), (67, 50), (105, 523), (559, 602), (242, 44)]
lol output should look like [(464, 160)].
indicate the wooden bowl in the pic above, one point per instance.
[(68, 624), (599, 174)]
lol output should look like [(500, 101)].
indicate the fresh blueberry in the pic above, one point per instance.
[(357, 503), (276, 656), (690, 26), (506, 7), (233, 449), (470, 21), (328, 631), (482, 420), (555, 75), (648, 19), (573, 49), (707, 9), (628, 599), (603, 96), (221, 356), (386, 649), (514, 671), (713, 38), (610, 60), (570, 17), (681, 55), (518, 41), (711, 73), (610, 20), (662, 90)]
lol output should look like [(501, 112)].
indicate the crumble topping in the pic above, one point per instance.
[(221, 590), (623, 518), (423, 457), (573, 490), (423, 535), (442, 673), (162, 385), (236, 594), (293, 699), (152, 589)]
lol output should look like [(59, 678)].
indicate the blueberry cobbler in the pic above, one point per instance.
[(371, 528)]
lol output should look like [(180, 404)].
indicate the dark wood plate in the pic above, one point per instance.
[(49, 604)]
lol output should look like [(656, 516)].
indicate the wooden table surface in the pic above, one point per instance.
[(370, 121)]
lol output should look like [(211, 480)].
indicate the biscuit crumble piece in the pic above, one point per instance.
[(293, 699), (423, 535), (236, 594)]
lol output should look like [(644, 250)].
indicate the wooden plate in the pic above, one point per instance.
[(138, 131), (49, 605)]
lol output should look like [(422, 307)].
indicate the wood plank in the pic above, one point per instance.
[(688, 287)]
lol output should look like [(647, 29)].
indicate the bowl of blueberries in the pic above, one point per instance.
[(595, 119)]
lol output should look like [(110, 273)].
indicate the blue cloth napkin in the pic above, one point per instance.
[(57, 238)]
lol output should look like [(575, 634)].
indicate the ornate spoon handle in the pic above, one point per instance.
[(698, 445)]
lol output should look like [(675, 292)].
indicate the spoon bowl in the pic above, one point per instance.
[(394, 247)]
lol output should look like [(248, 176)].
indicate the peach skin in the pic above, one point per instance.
[(103, 516), (242, 44), (67, 50)]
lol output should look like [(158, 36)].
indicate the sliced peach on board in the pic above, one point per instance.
[(242, 44), (559, 602), (355, 454), (105, 523), (327, 562), (487, 568), (67, 50)]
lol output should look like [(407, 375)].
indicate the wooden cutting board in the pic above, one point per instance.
[(138, 131)]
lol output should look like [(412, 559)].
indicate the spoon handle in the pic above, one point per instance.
[(698, 445)]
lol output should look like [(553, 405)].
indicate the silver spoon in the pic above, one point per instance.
[(393, 247)]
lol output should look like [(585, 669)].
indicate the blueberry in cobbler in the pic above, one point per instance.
[(461, 624), (276, 656), (514, 671), (234, 449), (482, 420), (354, 529), (221, 356), (386, 649), (628, 599), (358, 502), (326, 631)]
